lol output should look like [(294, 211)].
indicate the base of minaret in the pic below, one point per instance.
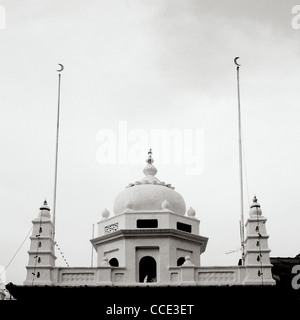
[(259, 275)]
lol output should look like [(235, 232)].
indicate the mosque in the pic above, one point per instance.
[(150, 240)]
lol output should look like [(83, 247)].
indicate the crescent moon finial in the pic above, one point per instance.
[(235, 61), (61, 68)]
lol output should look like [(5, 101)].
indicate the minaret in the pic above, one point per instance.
[(257, 253), (41, 253)]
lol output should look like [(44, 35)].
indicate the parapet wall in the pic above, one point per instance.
[(176, 276)]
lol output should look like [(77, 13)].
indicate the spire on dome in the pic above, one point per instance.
[(255, 209), (150, 170), (44, 211), (150, 160), (45, 206), (254, 203)]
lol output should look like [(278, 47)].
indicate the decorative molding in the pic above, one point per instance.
[(218, 277), (78, 277), (111, 228)]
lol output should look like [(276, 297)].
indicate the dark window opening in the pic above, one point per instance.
[(41, 230), (184, 227), (40, 244), (147, 269), (114, 262), (147, 223), (39, 260), (38, 275), (180, 261)]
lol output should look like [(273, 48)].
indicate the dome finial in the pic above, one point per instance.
[(191, 212), (150, 169), (149, 159), (255, 208), (45, 206)]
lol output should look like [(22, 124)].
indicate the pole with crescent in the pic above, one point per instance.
[(56, 151), (242, 225)]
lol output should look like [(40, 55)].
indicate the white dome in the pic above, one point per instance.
[(149, 197), (149, 194)]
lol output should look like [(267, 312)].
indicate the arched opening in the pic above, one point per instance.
[(147, 269), (114, 262), (180, 261)]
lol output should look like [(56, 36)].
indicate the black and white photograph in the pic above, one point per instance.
[(150, 155)]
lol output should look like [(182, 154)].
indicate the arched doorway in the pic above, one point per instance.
[(147, 269)]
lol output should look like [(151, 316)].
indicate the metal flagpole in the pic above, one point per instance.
[(242, 225), (92, 247), (56, 153)]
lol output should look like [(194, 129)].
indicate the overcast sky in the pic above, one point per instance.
[(148, 65)]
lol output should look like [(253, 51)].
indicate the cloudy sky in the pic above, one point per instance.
[(134, 67)]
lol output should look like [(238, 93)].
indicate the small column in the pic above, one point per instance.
[(41, 253), (104, 273), (257, 253), (188, 273)]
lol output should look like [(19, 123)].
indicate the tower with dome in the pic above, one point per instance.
[(149, 239), (149, 231)]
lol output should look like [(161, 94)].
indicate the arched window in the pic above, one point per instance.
[(41, 230), (147, 269), (40, 244), (39, 260), (180, 261), (38, 275), (114, 262)]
